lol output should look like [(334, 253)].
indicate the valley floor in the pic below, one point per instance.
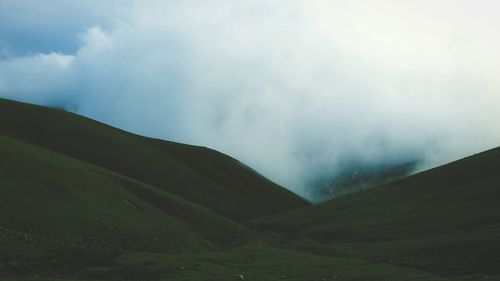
[(252, 262)]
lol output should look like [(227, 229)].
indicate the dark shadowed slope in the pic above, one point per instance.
[(62, 219), (445, 220), (80, 200), (51, 201), (198, 174)]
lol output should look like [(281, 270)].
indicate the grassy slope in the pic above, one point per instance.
[(52, 202), (198, 174), (445, 220), (254, 262), (63, 218)]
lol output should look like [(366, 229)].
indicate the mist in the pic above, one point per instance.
[(297, 90)]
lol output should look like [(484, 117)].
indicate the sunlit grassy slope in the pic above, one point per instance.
[(445, 220), (198, 174)]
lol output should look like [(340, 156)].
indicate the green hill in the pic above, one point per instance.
[(80, 200), (198, 174), (56, 201), (445, 220)]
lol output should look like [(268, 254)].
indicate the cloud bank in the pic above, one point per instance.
[(295, 89)]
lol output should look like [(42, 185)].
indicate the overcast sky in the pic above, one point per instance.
[(295, 89)]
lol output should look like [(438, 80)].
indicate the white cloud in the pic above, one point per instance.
[(41, 78), (295, 89)]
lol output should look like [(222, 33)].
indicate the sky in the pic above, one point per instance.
[(298, 90)]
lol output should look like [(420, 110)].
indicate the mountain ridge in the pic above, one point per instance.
[(98, 203), (200, 176), (453, 208)]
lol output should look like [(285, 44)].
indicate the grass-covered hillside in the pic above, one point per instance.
[(54, 201), (198, 174), (82, 201), (445, 220)]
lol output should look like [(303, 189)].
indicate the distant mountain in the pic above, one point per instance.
[(356, 177)]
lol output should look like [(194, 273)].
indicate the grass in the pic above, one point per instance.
[(445, 220), (198, 174), (253, 262), (80, 200), (57, 201)]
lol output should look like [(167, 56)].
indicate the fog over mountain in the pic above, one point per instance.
[(298, 90)]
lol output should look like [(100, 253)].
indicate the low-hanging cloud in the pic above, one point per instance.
[(295, 89)]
